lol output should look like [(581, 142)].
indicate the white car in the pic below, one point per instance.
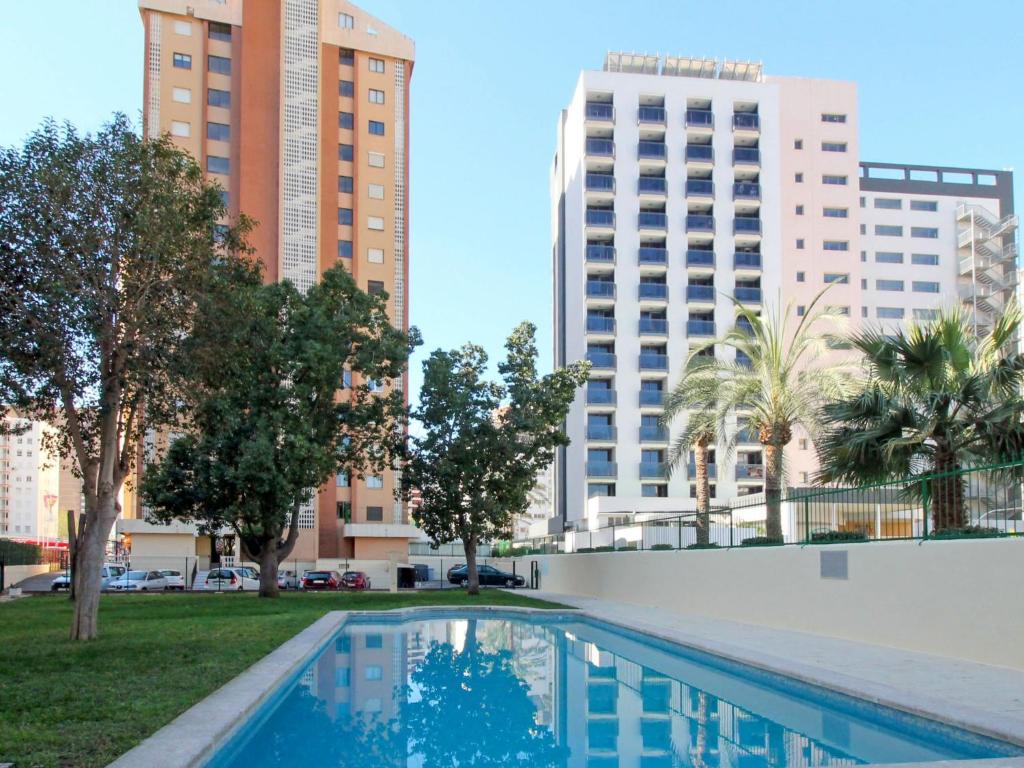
[(109, 573), (175, 581), (235, 579), (140, 581)]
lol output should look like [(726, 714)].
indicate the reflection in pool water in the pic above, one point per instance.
[(554, 692)]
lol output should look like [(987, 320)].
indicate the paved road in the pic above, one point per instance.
[(40, 583)]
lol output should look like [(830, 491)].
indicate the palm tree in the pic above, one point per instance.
[(699, 435), (935, 397), (778, 378)]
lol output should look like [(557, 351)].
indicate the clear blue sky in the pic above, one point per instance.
[(939, 82)]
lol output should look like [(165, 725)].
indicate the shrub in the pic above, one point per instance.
[(711, 545), (660, 547), (585, 549), (604, 549), (627, 548), (824, 537), (19, 553), (968, 532), (762, 541)]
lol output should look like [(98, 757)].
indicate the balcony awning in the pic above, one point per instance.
[(741, 70), (688, 66), (642, 63)]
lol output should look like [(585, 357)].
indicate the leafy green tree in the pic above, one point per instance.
[(778, 379), (107, 241), (483, 443), (935, 397), (700, 435), (264, 426)]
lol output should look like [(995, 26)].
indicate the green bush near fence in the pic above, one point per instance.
[(762, 541), (968, 532), (627, 548), (19, 553), (604, 549), (660, 547), (583, 550), (827, 537), (710, 545)]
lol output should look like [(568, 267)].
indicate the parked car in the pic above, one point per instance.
[(287, 580), (355, 580), (140, 581), (234, 579), (175, 581), (452, 570), (321, 580), (109, 573), (489, 577)]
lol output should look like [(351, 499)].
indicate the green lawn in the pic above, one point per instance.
[(71, 705)]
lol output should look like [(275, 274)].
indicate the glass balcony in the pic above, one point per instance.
[(599, 217), (651, 185), (691, 471), (600, 182), (743, 360), (746, 226), (700, 222), (750, 471), (746, 121), (652, 397), (652, 220), (653, 326), (600, 431), (698, 258), (746, 259), (601, 324), (748, 295), (700, 293), (653, 291), (602, 469), (743, 325), (598, 111), (746, 436), (601, 359), (598, 289), (601, 147), (651, 115), (746, 190), (700, 118), (653, 361), (700, 327), (652, 149), (652, 255), (746, 156), (700, 152), (601, 253), (600, 396), (652, 469), (700, 187), (653, 434)]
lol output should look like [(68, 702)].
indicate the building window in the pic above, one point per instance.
[(345, 184), (218, 132), (375, 223), (346, 57), (832, 117), (376, 96), (888, 257), (376, 65), (215, 164), (925, 259), (224, 198), (888, 230), (924, 205), (375, 255), (375, 515), (375, 287), (863, 311), (374, 481), (837, 277), (926, 314), (889, 203), (654, 490), (833, 180), (346, 379), (799, 210), (376, 128), (182, 61), (863, 255), (346, 88), (344, 249), (889, 313), (835, 213), (798, 144), (799, 243), (801, 277), (863, 283), (346, 120), (836, 245), (219, 65), (342, 677), (344, 509), (833, 146), (375, 641), (218, 31), (181, 95), (345, 216), (373, 672), (218, 98), (798, 178), (181, 129), (346, 21), (341, 480), (183, 28), (376, 191), (375, 159), (801, 310), (802, 443), (693, 490), (929, 232), (925, 286), (345, 152), (600, 489), (889, 285)]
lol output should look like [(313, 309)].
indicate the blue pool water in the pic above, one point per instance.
[(486, 689)]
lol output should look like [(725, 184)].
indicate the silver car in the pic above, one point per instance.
[(175, 581), (109, 573), (140, 581)]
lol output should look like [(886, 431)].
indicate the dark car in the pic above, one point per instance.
[(321, 580), (355, 580), (489, 577)]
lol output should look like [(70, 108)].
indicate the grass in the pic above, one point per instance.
[(78, 705)]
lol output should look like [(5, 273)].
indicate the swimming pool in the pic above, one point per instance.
[(543, 689)]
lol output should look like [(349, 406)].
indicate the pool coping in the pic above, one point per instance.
[(196, 735)]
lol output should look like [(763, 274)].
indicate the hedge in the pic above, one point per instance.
[(19, 553)]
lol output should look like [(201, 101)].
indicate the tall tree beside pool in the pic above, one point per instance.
[(700, 435), (482, 443), (935, 398), (108, 243)]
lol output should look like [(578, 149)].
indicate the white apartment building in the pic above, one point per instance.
[(29, 482), (680, 184)]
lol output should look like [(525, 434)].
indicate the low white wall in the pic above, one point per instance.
[(952, 598), (16, 573)]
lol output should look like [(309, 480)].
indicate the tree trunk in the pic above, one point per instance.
[(774, 439), (700, 456), (268, 569), (88, 571), (471, 572), (947, 493)]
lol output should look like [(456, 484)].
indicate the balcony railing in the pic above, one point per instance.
[(600, 182), (699, 258), (598, 289), (652, 255), (704, 152), (743, 326), (700, 327), (743, 360), (601, 432), (601, 324), (652, 149), (691, 470), (746, 156), (750, 471), (652, 469), (603, 253), (652, 291), (599, 217), (749, 259), (746, 120), (651, 185), (653, 361), (600, 396), (746, 190), (651, 397), (741, 225), (652, 220), (746, 436), (700, 222), (653, 434), (748, 295), (700, 118), (602, 469), (700, 293), (704, 187), (601, 147), (653, 326), (651, 115), (597, 111), (601, 359)]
